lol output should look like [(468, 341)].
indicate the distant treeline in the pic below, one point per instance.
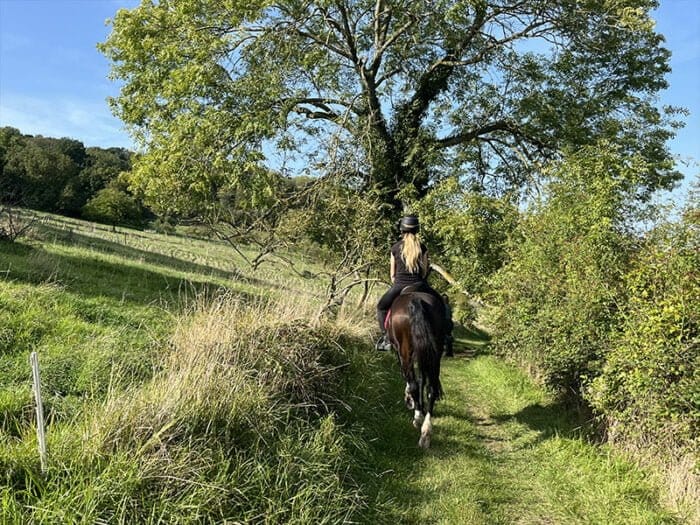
[(61, 175)]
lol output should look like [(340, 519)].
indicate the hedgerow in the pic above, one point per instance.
[(555, 301), (649, 388)]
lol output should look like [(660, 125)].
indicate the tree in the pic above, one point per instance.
[(409, 91), (37, 173), (100, 168), (467, 231), (113, 205), (10, 188)]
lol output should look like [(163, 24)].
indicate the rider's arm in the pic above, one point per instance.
[(425, 266), (392, 271)]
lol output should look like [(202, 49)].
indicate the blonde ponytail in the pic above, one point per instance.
[(411, 252)]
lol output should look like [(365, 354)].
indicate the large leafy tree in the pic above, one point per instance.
[(397, 93), (36, 170)]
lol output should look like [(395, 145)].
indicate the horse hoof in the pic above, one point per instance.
[(424, 441)]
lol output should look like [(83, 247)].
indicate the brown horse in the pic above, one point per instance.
[(416, 329)]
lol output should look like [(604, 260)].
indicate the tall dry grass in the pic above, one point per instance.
[(241, 425)]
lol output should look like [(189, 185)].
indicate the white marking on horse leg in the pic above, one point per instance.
[(425, 432), (408, 397), (417, 418)]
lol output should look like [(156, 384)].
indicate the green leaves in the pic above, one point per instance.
[(601, 311), (556, 299), (649, 384), (113, 206), (467, 231), (415, 92)]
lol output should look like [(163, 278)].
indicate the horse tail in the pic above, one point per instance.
[(425, 347)]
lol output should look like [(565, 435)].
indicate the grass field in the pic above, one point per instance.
[(183, 388)]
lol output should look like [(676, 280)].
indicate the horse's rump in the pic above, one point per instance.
[(417, 331), (425, 345), (417, 326)]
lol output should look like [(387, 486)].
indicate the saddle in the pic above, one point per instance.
[(413, 288), (417, 289)]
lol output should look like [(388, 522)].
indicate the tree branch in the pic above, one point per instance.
[(468, 136), (386, 43), (323, 103), (498, 125), (324, 43), (348, 34), (434, 80)]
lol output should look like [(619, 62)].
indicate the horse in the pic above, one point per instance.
[(416, 328)]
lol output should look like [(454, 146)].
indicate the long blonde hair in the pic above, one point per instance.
[(411, 252)]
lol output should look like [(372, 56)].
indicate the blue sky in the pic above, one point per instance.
[(53, 81)]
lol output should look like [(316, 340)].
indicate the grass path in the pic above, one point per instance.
[(503, 452)]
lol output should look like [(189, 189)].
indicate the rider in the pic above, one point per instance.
[(409, 265)]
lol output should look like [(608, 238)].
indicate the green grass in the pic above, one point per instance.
[(171, 395), (183, 388), (504, 452), (90, 299)]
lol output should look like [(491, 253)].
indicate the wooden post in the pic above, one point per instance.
[(34, 360)]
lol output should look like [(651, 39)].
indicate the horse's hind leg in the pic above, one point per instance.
[(426, 429), (413, 400), (409, 376), (409, 397), (434, 393), (417, 394), (412, 395)]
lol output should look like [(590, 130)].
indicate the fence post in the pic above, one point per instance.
[(34, 360)]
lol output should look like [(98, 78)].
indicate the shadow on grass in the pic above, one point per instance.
[(72, 238), (396, 461), (470, 341), (14, 248), (89, 277), (556, 419)]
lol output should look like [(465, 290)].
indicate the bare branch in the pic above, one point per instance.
[(14, 223), (468, 136), (335, 49), (380, 50), (324, 103), (349, 35), (319, 115)]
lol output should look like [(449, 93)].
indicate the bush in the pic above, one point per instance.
[(555, 302), (467, 232), (649, 389), (114, 206), (14, 224)]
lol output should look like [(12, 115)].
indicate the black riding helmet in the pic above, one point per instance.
[(409, 224)]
